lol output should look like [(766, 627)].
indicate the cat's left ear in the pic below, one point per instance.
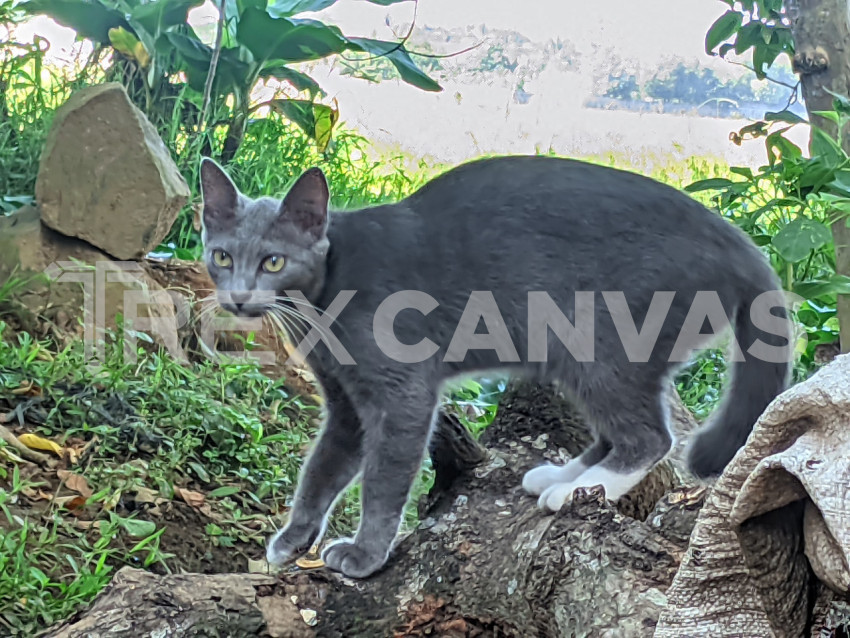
[(306, 203)]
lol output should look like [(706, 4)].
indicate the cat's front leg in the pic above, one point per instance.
[(332, 465), (394, 446)]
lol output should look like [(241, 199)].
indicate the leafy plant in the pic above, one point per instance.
[(787, 207), (257, 41), (760, 25)]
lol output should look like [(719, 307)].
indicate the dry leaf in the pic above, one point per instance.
[(75, 482), (35, 442), (258, 566), (147, 495), (309, 563), (27, 388), (71, 503), (194, 499)]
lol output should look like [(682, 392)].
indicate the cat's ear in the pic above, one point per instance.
[(306, 203), (219, 193)]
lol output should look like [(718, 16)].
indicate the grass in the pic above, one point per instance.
[(156, 427)]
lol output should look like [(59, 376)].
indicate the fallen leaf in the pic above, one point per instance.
[(71, 503), (147, 495), (75, 482), (27, 388), (35, 495), (193, 499), (35, 442), (309, 563), (259, 566)]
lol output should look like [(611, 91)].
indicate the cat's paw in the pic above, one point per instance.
[(286, 546), (556, 496), (351, 559), (538, 480)]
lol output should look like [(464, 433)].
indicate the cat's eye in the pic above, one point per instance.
[(222, 259), (273, 263)]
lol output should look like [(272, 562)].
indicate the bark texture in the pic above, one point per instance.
[(483, 562), (821, 31)]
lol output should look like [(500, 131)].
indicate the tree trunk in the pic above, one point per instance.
[(483, 562), (821, 31)]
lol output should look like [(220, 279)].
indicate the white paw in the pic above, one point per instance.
[(541, 478), (556, 496), (536, 481)]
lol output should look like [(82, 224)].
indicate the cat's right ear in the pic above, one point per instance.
[(219, 193)]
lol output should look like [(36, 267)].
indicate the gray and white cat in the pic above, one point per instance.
[(528, 246)]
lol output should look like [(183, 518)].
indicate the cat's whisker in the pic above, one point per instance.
[(286, 327), (298, 327), (304, 302), (304, 319)]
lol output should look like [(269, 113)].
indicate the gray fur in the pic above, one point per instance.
[(510, 226)]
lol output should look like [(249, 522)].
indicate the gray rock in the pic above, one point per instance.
[(105, 175)]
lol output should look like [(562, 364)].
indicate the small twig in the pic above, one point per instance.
[(23, 450), (208, 85), (399, 45), (766, 77)]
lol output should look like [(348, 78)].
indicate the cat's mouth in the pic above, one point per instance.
[(249, 304)]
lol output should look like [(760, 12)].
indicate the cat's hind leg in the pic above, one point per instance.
[(635, 424)]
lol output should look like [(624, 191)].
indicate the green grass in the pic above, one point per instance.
[(224, 430)]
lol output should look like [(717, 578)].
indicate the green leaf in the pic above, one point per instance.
[(300, 81), (797, 239), (316, 120), (784, 116), (816, 173), (286, 8), (748, 35), (137, 528), (199, 470), (722, 30), (400, 59), (832, 116), (287, 39), (826, 148), (812, 289), (713, 183), (780, 147), (225, 490), (841, 183), (743, 171), (840, 103), (159, 16), (89, 19)]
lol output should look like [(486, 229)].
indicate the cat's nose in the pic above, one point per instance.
[(240, 298)]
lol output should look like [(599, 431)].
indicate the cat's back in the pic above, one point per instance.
[(537, 190)]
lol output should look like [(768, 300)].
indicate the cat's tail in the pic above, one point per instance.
[(759, 374)]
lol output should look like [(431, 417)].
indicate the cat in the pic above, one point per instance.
[(405, 286)]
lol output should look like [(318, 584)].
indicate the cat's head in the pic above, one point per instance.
[(258, 248)]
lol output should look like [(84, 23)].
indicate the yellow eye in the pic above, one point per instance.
[(273, 263), (222, 259)]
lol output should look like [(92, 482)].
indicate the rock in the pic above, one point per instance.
[(29, 250), (106, 176)]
